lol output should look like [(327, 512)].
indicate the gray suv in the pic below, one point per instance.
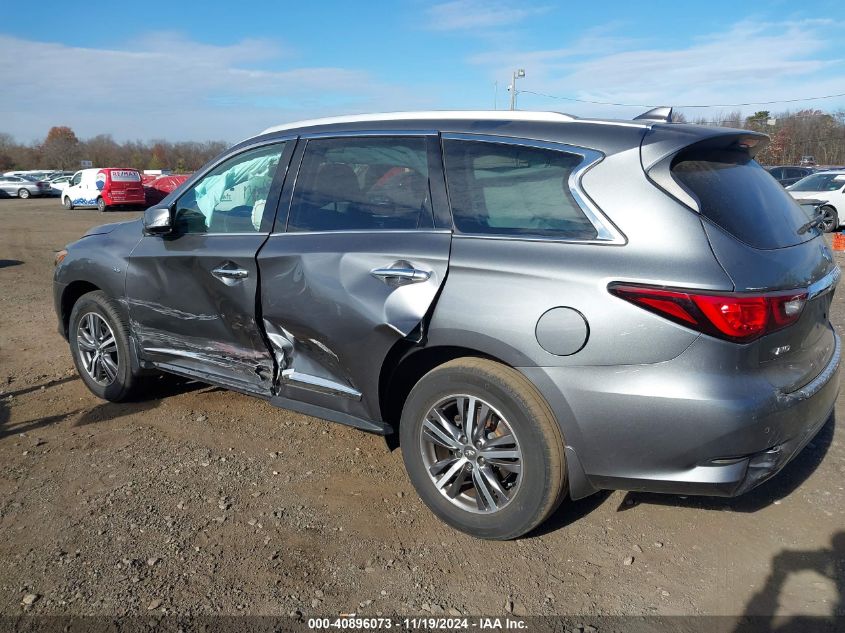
[(541, 306)]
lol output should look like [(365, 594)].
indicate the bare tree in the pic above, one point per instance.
[(60, 149)]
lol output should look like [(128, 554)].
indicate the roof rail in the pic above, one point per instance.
[(478, 115), (661, 113)]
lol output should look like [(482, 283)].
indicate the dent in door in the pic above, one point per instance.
[(328, 316)]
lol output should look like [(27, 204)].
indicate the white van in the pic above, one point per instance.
[(103, 188), (82, 189)]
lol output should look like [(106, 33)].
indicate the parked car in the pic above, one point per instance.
[(807, 161), (59, 184), (541, 306), (20, 187), (788, 175), (104, 188), (828, 186), (157, 189)]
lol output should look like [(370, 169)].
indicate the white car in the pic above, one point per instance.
[(828, 186), (60, 183)]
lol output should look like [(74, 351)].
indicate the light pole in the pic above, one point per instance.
[(517, 74)]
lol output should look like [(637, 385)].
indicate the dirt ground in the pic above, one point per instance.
[(201, 501)]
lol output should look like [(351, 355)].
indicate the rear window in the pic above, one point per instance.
[(125, 175), (509, 189), (736, 193)]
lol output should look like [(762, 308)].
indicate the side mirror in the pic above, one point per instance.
[(158, 221)]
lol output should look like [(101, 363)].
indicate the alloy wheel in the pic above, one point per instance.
[(97, 348), (471, 453)]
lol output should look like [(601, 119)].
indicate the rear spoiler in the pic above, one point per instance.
[(662, 143)]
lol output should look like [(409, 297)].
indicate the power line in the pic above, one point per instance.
[(651, 105)]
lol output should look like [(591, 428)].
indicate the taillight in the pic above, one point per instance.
[(736, 317)]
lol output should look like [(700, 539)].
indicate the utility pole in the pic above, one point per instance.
[(517, 74)]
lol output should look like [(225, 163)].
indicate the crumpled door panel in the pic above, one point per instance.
[(331, 320)]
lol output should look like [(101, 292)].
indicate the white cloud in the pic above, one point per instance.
[(747, 62), (167, 86), (478, 14)]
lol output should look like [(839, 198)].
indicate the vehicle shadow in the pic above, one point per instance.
[(778, 487), (7, 429), (761, 609), (157, 389), (569, 512), (46, 385), (6, 263)]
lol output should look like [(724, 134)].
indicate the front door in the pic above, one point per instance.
[(354, 267), (192, 294)]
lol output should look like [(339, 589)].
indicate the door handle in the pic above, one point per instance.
[(402, 275), (230, 273)]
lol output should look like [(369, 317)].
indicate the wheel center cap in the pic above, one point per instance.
[(469, 452)]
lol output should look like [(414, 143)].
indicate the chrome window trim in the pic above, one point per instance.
[(825, 284), (246, 148), (606, 231), (363, 232), (216, 234), (366, 133)]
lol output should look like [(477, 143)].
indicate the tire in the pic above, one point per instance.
[(23, 194), (831, 219), (101, 205), (515, 408), (98, 307), (67, 204)]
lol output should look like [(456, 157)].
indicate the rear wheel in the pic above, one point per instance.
[(482, 448), (98, 334), (830, 219), (101, 205), (67, 204), (23, 193)]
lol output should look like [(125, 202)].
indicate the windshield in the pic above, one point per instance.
[(819, 182)]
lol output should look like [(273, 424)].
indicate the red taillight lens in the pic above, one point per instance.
[(735, 317), (738, 317)]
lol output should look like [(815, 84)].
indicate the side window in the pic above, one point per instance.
[(77, 178), (230, 198), (362, 184), (507, 189)]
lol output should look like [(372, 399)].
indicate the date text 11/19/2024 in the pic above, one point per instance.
[(351, 622)]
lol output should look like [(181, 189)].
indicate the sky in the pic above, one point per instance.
[(227, 70)]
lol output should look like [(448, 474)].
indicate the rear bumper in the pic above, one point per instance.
[(675, 427), (117, 200)]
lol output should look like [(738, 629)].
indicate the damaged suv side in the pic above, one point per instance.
[(541, 305)]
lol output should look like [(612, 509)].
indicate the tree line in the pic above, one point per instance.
[(62, 150), (793, 134)]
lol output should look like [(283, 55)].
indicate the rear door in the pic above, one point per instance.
[(123, 186), (192, 294), (354, 265)]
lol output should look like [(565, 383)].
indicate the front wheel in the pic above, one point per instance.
[(830, 219), (67, 204), (482, 449), (101, 205), (23, 194), (98, 334)]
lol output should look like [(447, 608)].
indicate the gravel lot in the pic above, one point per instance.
[(201, 501)]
